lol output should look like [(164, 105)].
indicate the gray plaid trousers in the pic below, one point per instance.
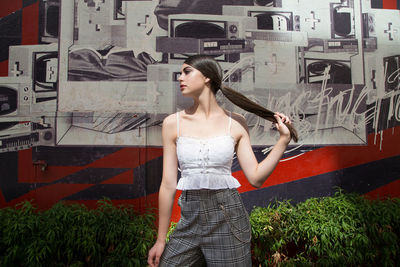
[(214, 230)]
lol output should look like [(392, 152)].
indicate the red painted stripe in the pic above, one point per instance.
[(4, 68), (150, 153), (389, 4), (388, 190), (9, 6), (124, 158), (54, 173), (45, 197), (127, 158), (30, 24), (28, 172)]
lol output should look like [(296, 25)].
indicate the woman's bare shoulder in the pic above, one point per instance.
[(170, 119), (240, 119), (239, 127), (169, 126)]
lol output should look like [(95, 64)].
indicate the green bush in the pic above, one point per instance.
[(342, 230), (72, 235)]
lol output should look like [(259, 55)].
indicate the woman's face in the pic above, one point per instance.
[(192, 81)]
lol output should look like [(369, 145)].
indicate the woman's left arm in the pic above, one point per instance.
[(257, 172)]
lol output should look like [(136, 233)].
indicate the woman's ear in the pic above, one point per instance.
[(207, 80)]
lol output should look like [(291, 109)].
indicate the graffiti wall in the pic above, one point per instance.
[(87, 83)]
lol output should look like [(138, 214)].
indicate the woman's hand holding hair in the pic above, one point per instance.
[(281, 125)]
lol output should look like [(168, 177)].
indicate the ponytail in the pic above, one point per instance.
[(243, 102), (210, 68)]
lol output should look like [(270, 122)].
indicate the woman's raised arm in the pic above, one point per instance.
[(255, 172)]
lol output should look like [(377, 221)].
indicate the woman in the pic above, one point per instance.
[(214, 228)]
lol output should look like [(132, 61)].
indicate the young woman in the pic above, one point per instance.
[(214, 229)]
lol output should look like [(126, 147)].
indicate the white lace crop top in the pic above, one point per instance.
[(205, 163)]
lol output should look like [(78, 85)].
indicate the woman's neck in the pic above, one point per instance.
[(205, 105)]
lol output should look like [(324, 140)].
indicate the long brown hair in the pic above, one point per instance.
[(210, 68)]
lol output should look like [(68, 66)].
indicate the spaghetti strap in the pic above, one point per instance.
[(230, 122), (177, 123)]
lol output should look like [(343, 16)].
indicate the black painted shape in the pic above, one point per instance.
[(10, 32), (383, 120), (147, 177), (139, 181), (91, 176), (71, 156), (360, 179), (111, 191), (146, 181), (26, 3), (153, 175), (9, 185), (376, 3)]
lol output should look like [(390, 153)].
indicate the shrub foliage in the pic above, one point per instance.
[(72, 235), (342, 230)]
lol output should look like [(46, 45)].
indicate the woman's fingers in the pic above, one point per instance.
[(282, 117), (153, 259), (281, 124), (284, 126)]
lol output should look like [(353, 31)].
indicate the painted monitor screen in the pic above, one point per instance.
[(8, 100)]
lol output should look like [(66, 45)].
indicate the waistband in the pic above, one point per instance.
[(206, 194)]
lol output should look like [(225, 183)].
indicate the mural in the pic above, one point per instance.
[(95, 79)]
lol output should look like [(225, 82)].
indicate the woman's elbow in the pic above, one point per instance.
[(256, 183)]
